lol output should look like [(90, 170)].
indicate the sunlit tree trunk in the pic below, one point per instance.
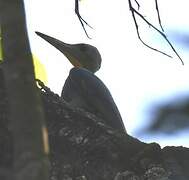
[(26, 113)]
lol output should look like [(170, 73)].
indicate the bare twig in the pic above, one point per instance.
[(82, 21), (138, 5), (158, 14), (134, 12), (138, 34)]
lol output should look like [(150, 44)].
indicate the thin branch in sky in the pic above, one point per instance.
[(158, 14), (82, 21), (138, 34), (138, 5), (134, 12)]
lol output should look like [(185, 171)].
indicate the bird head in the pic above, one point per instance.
[(80, 55)]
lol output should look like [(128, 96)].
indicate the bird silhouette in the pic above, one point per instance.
[(83, 88)]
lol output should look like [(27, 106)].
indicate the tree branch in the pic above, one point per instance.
[(158, 14), (135, 12), (82, 21)]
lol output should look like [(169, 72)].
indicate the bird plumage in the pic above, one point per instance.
[(85, 90)]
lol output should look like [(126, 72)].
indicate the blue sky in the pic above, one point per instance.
[(136, 76)]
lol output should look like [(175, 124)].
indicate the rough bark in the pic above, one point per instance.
[(83, 147)]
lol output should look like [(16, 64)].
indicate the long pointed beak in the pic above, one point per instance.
[(68, 50), (61, 46)]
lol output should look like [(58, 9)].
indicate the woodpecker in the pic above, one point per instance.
[(83, 88)]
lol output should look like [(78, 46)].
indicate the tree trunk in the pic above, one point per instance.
[(25, 112)]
